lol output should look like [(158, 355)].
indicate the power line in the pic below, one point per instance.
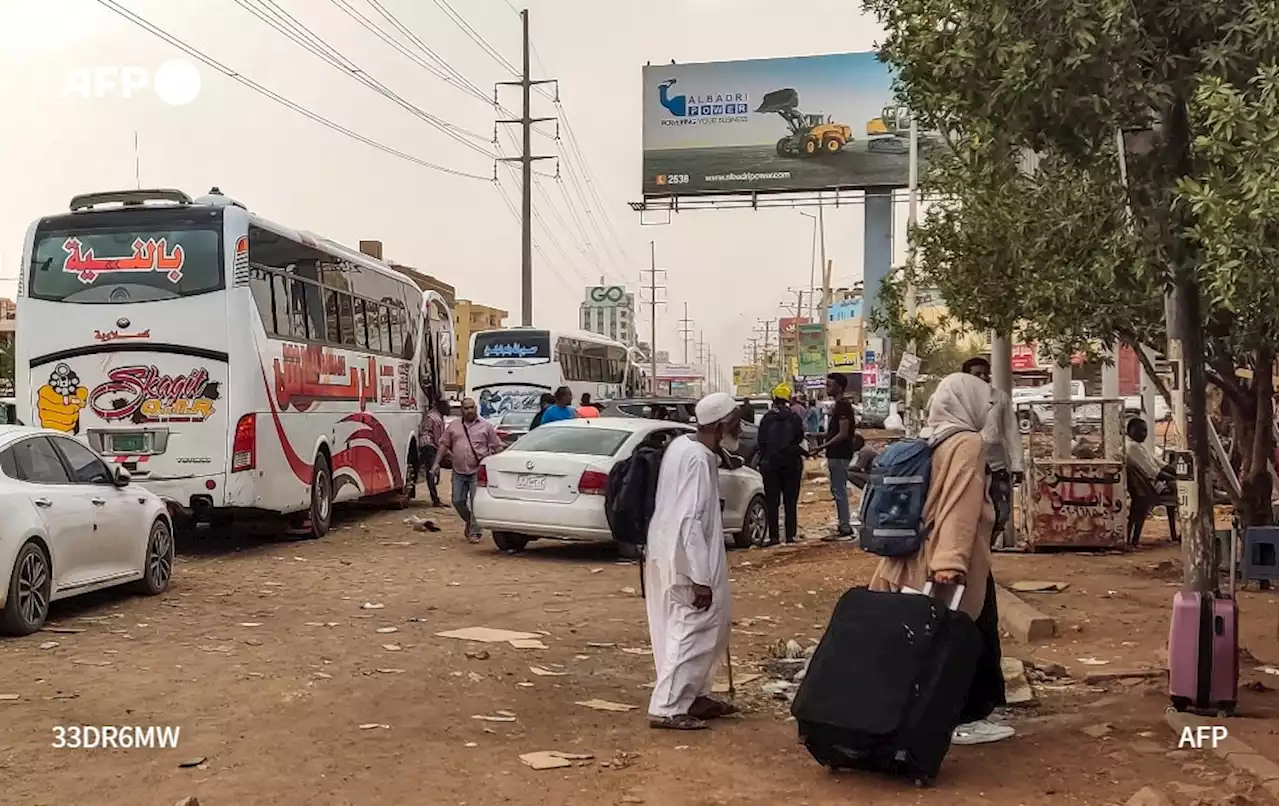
[(274, 96), (465, 85), (511, 207), (310, 41), (475, 36), (573, 142), (417, 41)]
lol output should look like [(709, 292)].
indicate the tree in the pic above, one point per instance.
[(1035, 228)]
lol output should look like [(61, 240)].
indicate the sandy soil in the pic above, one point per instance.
[(266, 656)]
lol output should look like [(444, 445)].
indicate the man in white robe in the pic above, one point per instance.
[(686, 572)]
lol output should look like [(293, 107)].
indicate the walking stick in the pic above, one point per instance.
[(728, 662)]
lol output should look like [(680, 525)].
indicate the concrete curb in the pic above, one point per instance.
[(1023, 621), (1235, 752)]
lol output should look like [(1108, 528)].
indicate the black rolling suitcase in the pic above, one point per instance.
[(887, 684)]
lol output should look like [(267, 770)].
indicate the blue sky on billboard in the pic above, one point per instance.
[(852, 88)]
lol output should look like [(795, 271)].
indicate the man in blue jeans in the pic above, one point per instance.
[(839, 447), (467, 441)]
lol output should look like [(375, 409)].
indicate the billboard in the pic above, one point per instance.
[(801, 123), (746, 380), (681, 372), (787, 325), (812, 350)]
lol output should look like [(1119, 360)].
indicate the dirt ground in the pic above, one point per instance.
[(269, 656)]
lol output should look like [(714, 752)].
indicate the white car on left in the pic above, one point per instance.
[(69, 524)]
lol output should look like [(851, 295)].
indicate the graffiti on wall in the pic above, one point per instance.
[(1079, 504)]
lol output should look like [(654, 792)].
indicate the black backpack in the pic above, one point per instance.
[(632, 489)]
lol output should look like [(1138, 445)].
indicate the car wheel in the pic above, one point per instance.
[(158, 568), (755, 529), (321, 499), (509, 541), (1025, 422), (29, 587)]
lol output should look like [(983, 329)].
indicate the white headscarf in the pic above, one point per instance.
[(960, 403)]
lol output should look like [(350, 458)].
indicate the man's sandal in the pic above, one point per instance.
[(677, 722), (711, 708)]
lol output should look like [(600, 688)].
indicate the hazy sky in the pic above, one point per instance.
[(70, 128)]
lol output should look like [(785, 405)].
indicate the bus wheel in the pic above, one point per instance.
[(411, 473), (321, 513)]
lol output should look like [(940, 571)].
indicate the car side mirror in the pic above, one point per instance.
[(731, 460), (119, 476)]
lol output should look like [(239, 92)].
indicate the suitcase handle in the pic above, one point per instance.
[(954, 602)]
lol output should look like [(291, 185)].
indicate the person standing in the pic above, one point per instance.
[(545, 401), (839, 447), (562, 409), (586, 408), (780, 442), (430, 432), (1004, 448), (812, 423), (467, 441), (957, 549), (686, 572)]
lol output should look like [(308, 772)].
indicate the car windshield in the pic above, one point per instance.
[(586, 441)]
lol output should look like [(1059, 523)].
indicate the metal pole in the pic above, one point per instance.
[(526, 185), (913, 192), (813, 264), (653, 318)]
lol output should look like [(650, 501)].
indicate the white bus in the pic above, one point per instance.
[(508, 370), (235, 367)]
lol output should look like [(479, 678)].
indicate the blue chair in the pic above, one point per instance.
[(1261, 562)]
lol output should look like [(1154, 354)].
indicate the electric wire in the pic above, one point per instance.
[(333, 57), (194, 53), (450, 79)]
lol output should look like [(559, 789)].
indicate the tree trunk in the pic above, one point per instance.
[(1255, 477)]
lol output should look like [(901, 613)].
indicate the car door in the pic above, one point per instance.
[(65, 510), (119, 512)]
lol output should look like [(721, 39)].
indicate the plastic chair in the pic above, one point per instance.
[(1261, 562)]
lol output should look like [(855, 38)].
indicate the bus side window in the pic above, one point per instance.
[(311, 313), (346, 319), (397, 328), (362, 336), (332, 333)]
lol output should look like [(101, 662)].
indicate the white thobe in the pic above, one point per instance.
[(686, 547)]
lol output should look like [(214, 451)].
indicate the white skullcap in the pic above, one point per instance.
[(714, 407)]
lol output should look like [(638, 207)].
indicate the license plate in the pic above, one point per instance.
[(528, 481), (128, 443)]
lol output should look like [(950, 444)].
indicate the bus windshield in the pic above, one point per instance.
[(123, 256)]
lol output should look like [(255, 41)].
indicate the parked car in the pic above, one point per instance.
[(679, 410), (511, 425), (69, 524), (551, 483)]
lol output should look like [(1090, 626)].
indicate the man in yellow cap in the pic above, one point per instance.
[(781, 448)]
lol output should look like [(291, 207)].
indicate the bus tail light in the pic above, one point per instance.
[(244, 450), (593, 482), (482, 477)]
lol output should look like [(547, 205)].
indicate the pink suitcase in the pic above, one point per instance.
[(1204, 649)]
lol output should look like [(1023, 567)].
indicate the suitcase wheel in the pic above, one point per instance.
[(924, 783), (1178, 704), (1226, 709)]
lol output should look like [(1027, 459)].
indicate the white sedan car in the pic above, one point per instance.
[(551, 482), (71, 525)]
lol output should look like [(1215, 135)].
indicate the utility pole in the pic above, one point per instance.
[(653, 271), (686, 332), (526, 160)]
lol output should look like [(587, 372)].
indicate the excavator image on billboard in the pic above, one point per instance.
[(810, 135)]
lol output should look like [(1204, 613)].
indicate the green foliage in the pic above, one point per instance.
[(1034, 231)]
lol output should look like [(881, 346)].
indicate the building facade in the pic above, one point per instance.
[(609, 310), (8, 328), (471, 317)]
